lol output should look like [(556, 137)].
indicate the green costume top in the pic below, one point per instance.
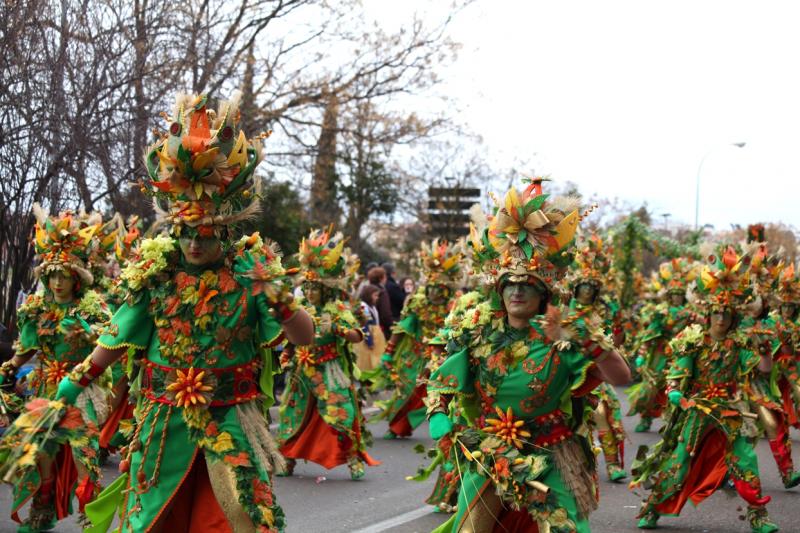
[(65, 334), (710, 375), (711, 371), (203, 332), (784, 346), (666, 321), (522, 387), (325, 371), (421, 319), (762, 388), (188, 317)]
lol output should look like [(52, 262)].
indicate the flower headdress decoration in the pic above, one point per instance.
[(591, 264), (324, 258), (531, 233), (200, 172), (765, 271), (64, 242), (108, 234), (128, 238), (789, 285), (441, 263), (724, 282), (756, 233), (677, 274), (481, 252)]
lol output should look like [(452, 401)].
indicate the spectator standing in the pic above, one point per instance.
[(365, 279), (377, 277), (370, 350), (397, 295)]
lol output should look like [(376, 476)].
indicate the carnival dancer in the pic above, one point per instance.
[(444, 494), (60, 324), (524, 460), (707, 438), (201, 308), (762, 389), (648, 397), (408, 352), (590, 270), (320, 413), (787, 340)]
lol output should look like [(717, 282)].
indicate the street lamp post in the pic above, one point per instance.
[(697, 183)]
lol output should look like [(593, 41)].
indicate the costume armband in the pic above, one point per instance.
[(85, 372)]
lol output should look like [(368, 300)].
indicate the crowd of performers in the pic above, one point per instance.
[(163, 348)]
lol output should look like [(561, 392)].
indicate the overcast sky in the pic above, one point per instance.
[(625, 98)]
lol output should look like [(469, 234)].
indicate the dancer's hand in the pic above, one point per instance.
[(386, 361), (675, 397), (68, 391), (440, 425)]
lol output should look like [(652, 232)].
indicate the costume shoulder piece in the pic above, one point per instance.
[(153, 257), (417, 301), (688, 340), (473, 321), (92, 307), (34, 304), (569, 331), (257, 260), (340, 314)]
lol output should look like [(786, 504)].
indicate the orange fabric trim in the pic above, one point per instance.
[(589, 384), (316, 441), (788, 402), (66, 474), (195, 508), (706, 473), (400, 425), (517, 521), (172, 497)]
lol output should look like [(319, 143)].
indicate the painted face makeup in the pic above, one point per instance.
[(62, 284), (522, 300), (200, 250)]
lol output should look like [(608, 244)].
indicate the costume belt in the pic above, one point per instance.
[(325, 353), (549, 429), (716, 390), (229, 385), (546, 430)]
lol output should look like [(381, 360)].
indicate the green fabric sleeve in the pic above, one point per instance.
[(267, 382), (132, 326), (682, 367), (269, 329), (748, 361), (28, 338), (455, 375), (579, 366), (408, 325)]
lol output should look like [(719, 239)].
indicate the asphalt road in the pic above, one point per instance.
[(317, 500)]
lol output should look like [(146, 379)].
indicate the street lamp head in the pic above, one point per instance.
[(739, 145)]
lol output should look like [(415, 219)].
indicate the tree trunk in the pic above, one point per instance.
[(324, 205)]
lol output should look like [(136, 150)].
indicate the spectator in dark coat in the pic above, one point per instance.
[(377, 277), (397, 296)]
